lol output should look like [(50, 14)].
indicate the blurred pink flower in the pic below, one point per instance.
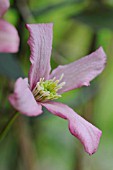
[(42, 87), (9, 39)]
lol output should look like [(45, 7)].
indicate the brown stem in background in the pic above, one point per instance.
[(23, 8), (27, 148), (79, 158), (25, 16)]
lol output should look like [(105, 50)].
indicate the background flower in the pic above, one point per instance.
[(9, 39)]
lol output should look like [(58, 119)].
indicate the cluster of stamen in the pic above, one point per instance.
[(47, 89)]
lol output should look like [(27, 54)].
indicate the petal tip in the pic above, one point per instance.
[(102, 53), (91, 151)]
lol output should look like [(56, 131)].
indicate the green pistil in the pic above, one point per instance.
[(47, 90)]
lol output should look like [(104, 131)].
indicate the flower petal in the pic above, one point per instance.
[(81, 72), (88, 134), (23, 100), (9, 39), (4, 5), (40, 42)]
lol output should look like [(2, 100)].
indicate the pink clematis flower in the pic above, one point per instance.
[(9, 39), (41, 87)]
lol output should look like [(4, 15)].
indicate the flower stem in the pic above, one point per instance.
[(8, 126)]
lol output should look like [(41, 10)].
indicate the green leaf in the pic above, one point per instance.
[(97, 18), (10, 67)]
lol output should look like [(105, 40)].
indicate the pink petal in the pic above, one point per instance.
[(40, 42), (88, 134), (4, 5), (23, 100), (82, 71), (9, 39)]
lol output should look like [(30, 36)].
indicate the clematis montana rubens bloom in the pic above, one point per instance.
[(9, 39), (41, 87)]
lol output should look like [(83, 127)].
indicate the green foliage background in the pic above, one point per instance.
[(44, 142)]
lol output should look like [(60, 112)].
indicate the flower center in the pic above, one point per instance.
[(47, 90)]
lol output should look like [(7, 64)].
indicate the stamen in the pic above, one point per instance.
[(61, 77), (47, 90)]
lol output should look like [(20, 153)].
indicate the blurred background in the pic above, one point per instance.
[(44, 142)]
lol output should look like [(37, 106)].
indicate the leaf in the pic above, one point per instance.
[(9, 66), (97, 18)]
